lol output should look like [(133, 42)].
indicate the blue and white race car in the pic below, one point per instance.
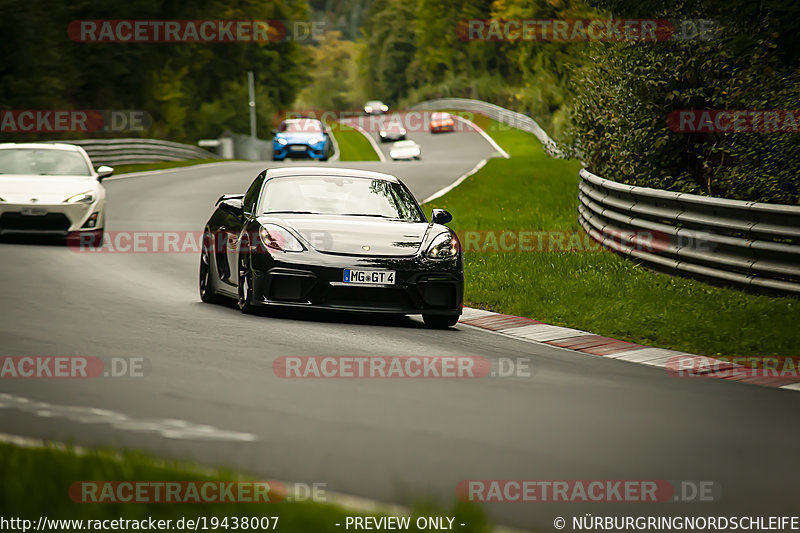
[(301, 137)]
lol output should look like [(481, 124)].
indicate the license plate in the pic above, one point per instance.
[(297, 148), (369, 277), (33, 211)]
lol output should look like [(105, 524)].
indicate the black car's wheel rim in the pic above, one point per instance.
[(205, 266), (244, 282)]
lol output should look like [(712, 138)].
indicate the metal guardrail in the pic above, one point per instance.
[(135, 151), (495, 112), (747, 243)]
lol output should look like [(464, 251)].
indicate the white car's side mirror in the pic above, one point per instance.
[(104, 172)]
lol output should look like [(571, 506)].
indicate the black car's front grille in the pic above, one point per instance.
[(18, 222), (370, 297)]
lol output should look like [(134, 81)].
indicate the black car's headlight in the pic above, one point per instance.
[(444, 246), (278, 238)]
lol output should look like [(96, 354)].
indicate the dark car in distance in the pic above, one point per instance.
[(335, 239)]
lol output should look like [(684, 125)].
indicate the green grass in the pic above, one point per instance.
[(126, 169), (353, 146), (36, 482), (599, 291)]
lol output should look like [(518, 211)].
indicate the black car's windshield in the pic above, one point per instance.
[(43, 162), (343, 196)]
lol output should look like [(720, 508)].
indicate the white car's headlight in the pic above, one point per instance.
[(278, 238), (368, 109), (444, 246), (403, 131), (282, 141), (385, 108), (315, 140), (82, 198)]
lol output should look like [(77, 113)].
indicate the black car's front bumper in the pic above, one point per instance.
[(312, 279)]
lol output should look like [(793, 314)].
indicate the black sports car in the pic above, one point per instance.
[(332, 238)]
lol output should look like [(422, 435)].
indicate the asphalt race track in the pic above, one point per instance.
[(210, 393)]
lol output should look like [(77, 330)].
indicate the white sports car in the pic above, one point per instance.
[(51, 189), (405, 150)]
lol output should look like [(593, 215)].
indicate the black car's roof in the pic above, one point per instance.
[(328, 171)]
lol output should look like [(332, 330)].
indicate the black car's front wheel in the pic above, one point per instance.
[(440, 321), (245, 284), (207, 292)]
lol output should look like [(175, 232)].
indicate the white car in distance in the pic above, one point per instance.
[(405, 150), (51, 190)]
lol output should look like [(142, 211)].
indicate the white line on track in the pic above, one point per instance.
[(445, 190), (484, 135)]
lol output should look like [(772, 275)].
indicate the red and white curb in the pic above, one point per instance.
[(576, 340)]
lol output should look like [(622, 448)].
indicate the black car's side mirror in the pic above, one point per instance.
[(440, 216), (232, 206)]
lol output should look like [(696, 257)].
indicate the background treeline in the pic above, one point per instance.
[(191, 91), (606, 103)]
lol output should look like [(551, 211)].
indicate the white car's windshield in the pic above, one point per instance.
[(339, 196), (43, 162)]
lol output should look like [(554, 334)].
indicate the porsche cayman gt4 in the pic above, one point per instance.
[(335, 239)]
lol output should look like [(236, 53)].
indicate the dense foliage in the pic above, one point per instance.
[(624, 93), (413, 52), (609, 102), (190, 90)]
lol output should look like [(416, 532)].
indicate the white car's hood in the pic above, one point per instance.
[(18, 188)]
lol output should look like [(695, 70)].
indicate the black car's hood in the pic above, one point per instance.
[(358, 235)]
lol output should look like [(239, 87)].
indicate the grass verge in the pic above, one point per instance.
[(353, 146), (36, 482), (127, 169), (597, 291)]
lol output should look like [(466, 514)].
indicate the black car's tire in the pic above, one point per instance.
[(245, 290), (440, 321), (206, 281)]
